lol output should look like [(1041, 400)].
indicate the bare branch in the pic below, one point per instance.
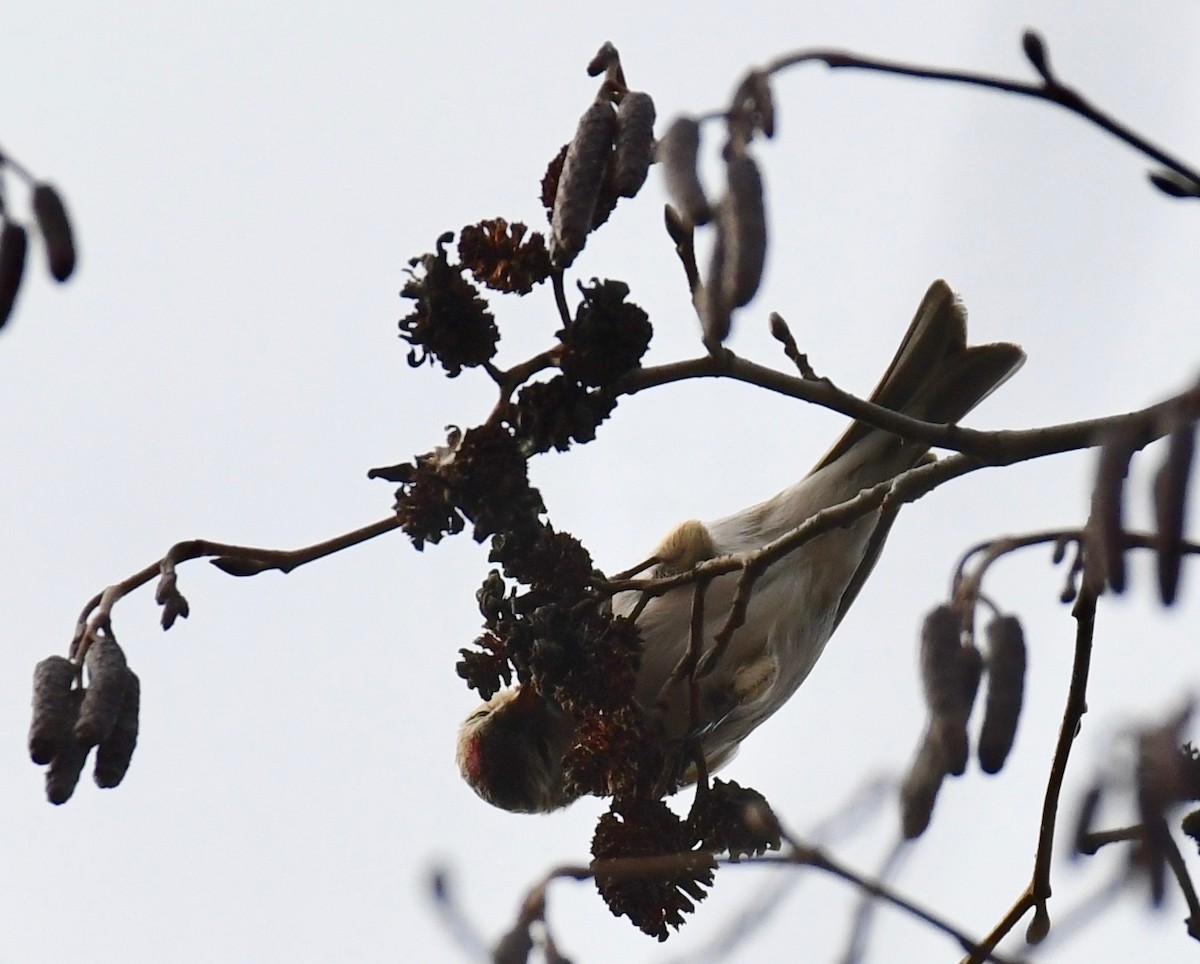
[(1050, 90), (1037, 894), (233, 559)]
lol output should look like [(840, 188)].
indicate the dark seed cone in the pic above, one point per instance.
[(634, 149), (677, 152), (107, 678), (1170, 508), (114, 754), (13, 245), (1006, 689), (641, 827), (55, 226), (580, 182), (53, 710)]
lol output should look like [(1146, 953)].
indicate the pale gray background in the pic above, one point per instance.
[(248, 181)]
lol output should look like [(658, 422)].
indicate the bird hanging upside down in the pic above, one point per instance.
[(510, 749)]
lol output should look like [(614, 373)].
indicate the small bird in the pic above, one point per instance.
[(510, 749)]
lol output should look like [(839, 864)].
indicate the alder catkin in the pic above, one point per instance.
[(1108, 497), (53, 711), (744, 218), (580, 181), (716, 311), (62, 776), (107, 677), (55, 226), (13, 245), (1170, 508), (951, 725), (634, 148), (677, 151), (1005, 661), (114, 754), (941, 640), (918, 792)]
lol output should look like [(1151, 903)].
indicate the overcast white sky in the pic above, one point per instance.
[(247, 183)]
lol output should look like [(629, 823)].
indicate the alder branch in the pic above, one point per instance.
[(232, 559), (1004, 447), (968, 586), (1038, 891), (1092, 841), (1050, 90), (798, 855)]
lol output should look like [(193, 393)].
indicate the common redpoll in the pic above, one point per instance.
[(510, 749)]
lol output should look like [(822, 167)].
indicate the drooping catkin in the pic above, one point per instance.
[(634, 148), (1170, 508), (580, 181), (1108, 497), (53, 711), (919, 790), (51, 215), (114, 754), (13, 245), (62, 776), (1005, 661), (107, 677), (951, 726), (739, 250), (941, 640), (677, 151), (743, 219), (712, 300), (950, 675)]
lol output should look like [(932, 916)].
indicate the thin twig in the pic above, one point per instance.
[(799, 854), (1051, 92), (1037, 893), (994, 448), (237, 560), (967, 586), (1094, 840), (560, 298)]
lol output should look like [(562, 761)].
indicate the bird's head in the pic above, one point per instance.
[(510, 751)]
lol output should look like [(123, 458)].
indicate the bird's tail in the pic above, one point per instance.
[(935, 377)]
